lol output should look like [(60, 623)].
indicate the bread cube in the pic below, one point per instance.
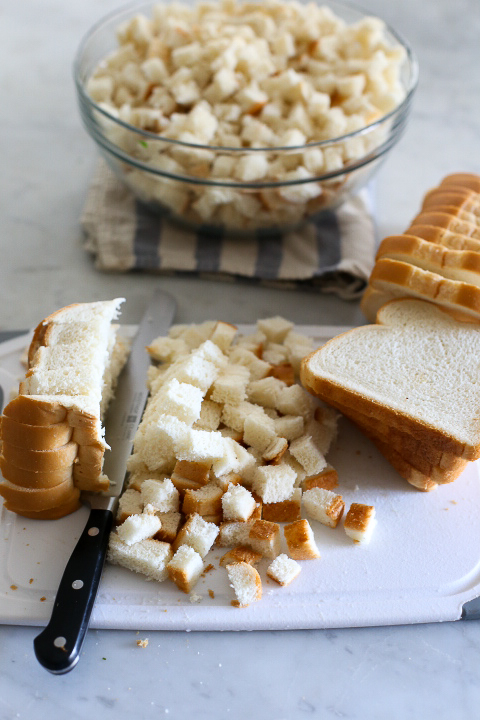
[(237, 503), (259, 431), (274, 452), (275, 354), (305, 451), (285, 511), (171, 522), (275, 328), (130, 503), (274, 483), (180, 399), (234, 415), (162, 494), (246, 583), (258, 368), (230, 385), (198, 471), (207, 500), (240, 554), (158, 441), (223, 335), (322, 433), (264, 537), (232, 533), (232, 460), (323, 505), (327, 479), (197, 371), (210, 414), (167, 350), (360, 522), (185, 568), (265, 392), (200, 445), (289, 427), (294, 400), (138, 527), (147, 557), (301, 541), (283, 569), (283, 371), (198, 534)]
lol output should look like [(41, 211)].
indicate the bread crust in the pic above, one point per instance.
[(447, 220), (40, 460), (38, 499), (464, 180), (54, 513), (35, 437), (32, 479)]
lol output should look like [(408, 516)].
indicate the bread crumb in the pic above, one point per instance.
[(194, 598), (142, 643)]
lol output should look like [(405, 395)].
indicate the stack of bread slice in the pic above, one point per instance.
[(410, 382), (438, 257), (52, 438)]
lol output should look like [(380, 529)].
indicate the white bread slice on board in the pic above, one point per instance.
[(444, 237), (463, 265), (417, 370), (73, 362), (402, 279)]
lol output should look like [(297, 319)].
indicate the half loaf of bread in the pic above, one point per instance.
[(52, 434)]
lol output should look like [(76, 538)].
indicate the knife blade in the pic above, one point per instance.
[(58, 646)]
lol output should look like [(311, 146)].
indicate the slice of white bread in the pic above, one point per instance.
[(416, 370), (52, 433), (402, 279)]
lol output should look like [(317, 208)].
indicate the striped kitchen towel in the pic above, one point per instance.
[(334, 254)]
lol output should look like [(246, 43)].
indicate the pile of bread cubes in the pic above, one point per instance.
[(230, 451)]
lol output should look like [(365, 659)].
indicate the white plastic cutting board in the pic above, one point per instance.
[(422, 564)]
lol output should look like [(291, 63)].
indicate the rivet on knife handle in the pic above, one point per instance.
[(58, 646)]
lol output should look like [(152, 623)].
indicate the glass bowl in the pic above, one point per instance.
[(256, 177)]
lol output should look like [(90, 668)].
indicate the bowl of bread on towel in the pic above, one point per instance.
[(244, 116)]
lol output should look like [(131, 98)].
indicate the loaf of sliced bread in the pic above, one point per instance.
[(52, 432)]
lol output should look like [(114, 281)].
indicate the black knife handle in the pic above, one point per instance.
[(58, 646)]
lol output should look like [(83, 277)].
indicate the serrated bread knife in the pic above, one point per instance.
[(58, 646)]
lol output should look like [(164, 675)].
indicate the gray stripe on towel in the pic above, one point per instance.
[(209, 249), (270, 253), (148, 228), (328, 241)]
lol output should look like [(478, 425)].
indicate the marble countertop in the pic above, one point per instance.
[(424, 671)]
